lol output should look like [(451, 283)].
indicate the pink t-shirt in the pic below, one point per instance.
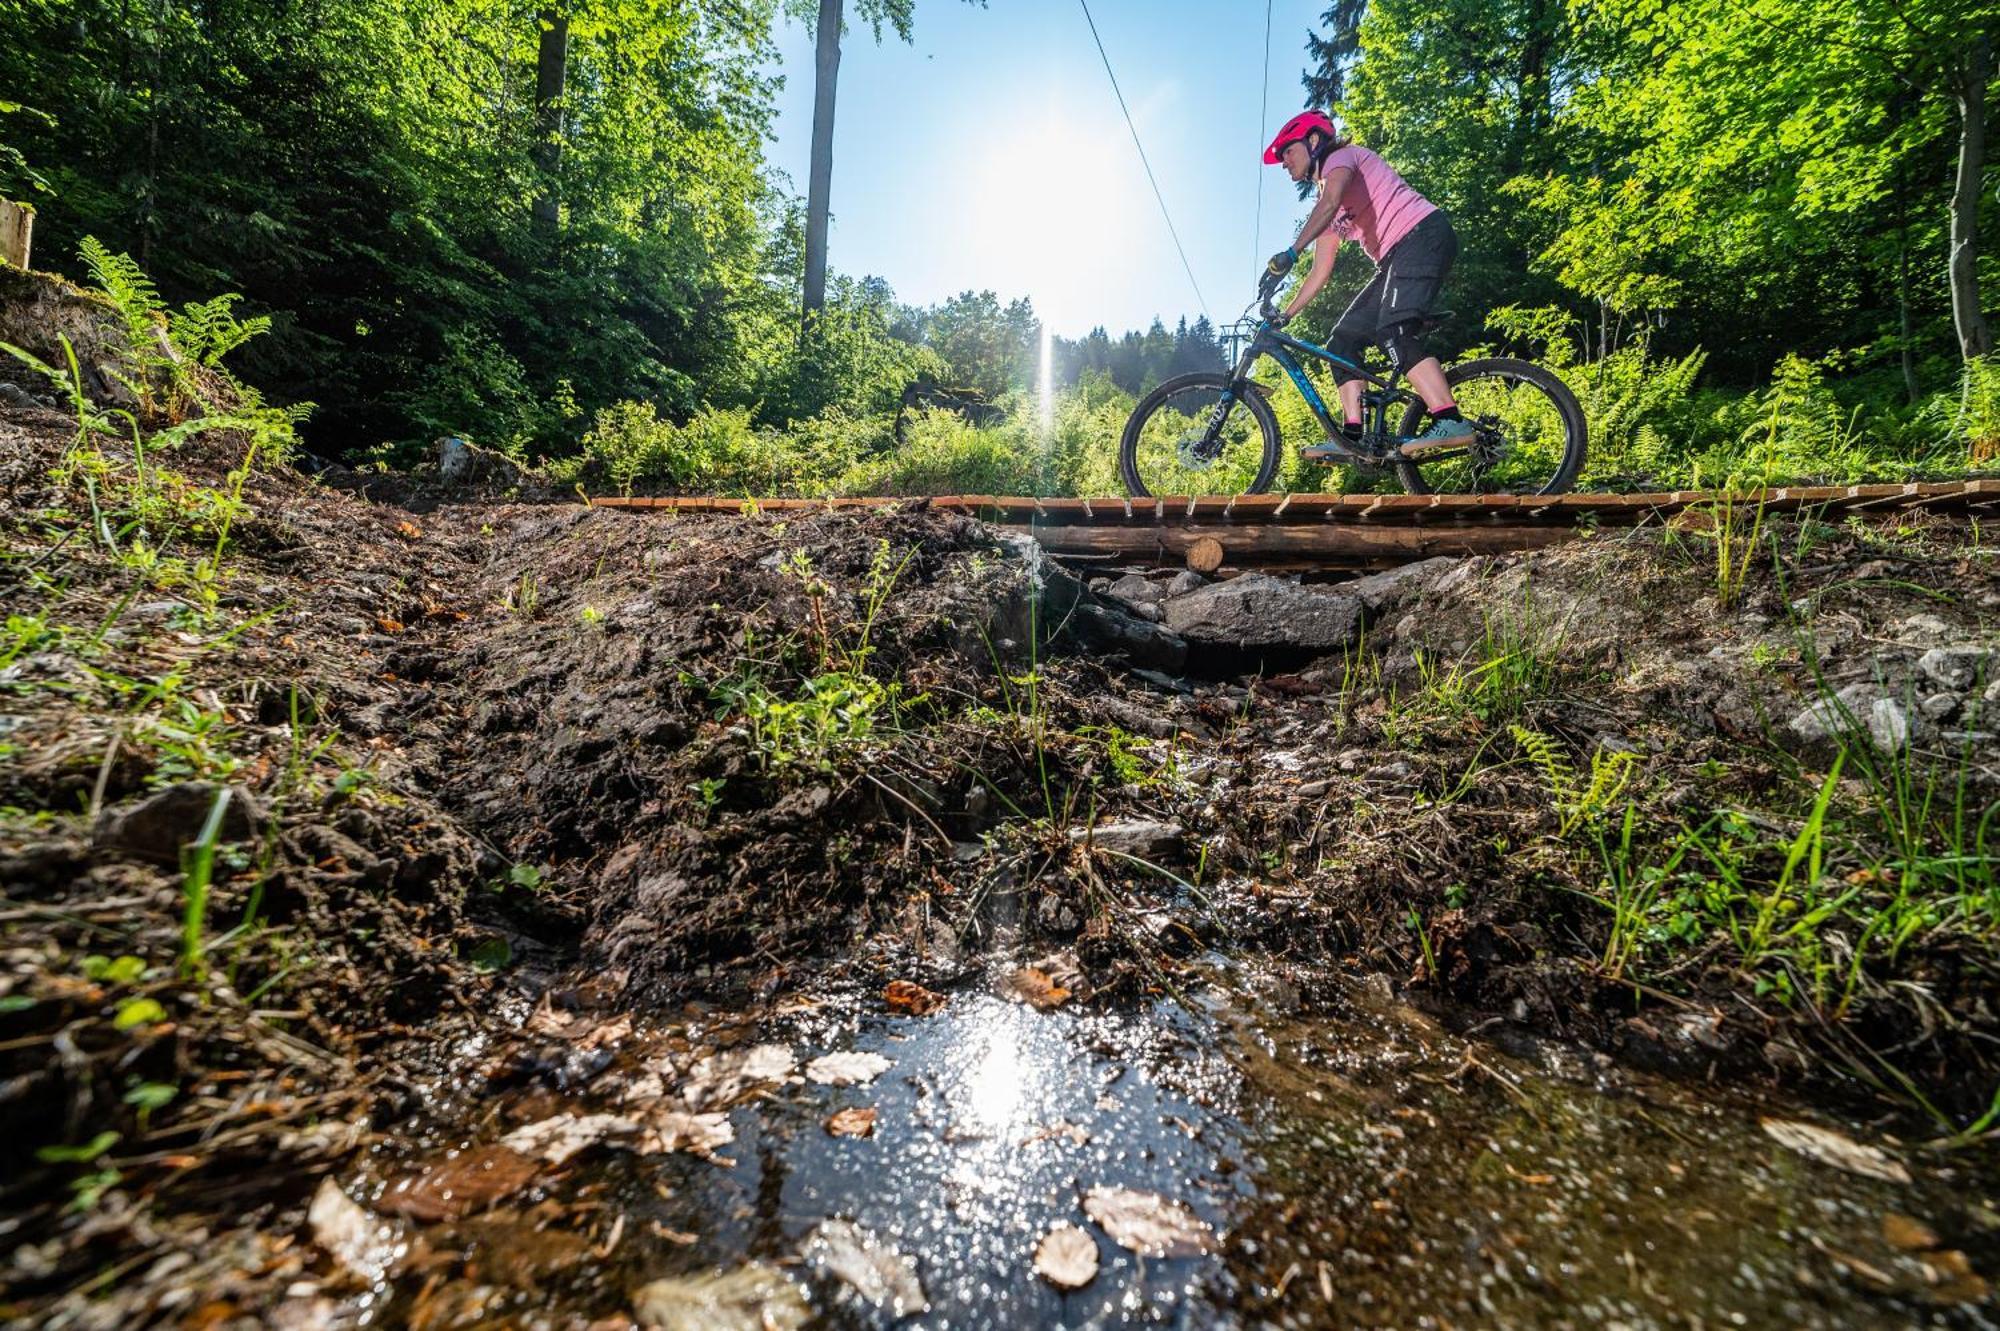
[(1378, 207)]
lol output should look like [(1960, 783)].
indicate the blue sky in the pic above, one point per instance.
[(991, 153)]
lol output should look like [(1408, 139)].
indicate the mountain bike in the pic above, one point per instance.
[(1213, 432)]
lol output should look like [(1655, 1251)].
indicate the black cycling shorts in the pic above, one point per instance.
[(1405, 287)]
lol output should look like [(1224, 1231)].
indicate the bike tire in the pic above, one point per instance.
[(1553, 466), (1191, 386)]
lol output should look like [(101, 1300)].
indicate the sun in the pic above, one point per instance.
[(1051, 213)]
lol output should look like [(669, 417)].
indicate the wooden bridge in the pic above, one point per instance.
[(1327, 531)]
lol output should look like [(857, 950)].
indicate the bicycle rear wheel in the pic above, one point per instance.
[(1195, 435), (1529, 433)]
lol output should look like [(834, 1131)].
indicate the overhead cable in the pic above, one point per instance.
[(1171, 231)]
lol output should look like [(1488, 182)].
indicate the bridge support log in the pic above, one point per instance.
[(1325, 543)]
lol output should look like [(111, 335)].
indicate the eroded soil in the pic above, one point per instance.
[(539, 811)]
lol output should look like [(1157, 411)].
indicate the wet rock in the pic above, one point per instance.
[(1956, 668), (1257, 610), (752, 1296), (1185, 581), (158, 827)]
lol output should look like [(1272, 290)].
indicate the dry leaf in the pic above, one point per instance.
[(365, 1244), (557, 1139), (409, 529), (1076, 1135), (1148, 1223), (911, 997), (852, 1123), (1066, 1257), (666, 1130), (882, 1276), (1032, 985), (462, 1184), (720, 1080), (1829, 1147), (1908, 1233), (750, 1298), (848, 1069), (388, 625)]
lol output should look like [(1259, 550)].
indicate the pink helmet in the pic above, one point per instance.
[(1300, 125)]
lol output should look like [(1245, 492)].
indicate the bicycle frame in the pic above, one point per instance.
[(1377, 397)]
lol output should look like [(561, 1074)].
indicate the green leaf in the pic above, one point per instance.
[(490, 954), (138, 1012), (151, 1095), (15, 1003), (90, 1150)]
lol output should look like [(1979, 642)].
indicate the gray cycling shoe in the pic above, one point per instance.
[(1442, 437)]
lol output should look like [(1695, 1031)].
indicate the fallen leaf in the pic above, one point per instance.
[(750, 1298), (852, 1123), (409, 529), (1066, 1257), (720, 1080), (364, 1243), (666, 1130), (1032, 985), (882, 1276), (557, 1139), (388, 625), (911, 997), (1147, 1223), (1908, 1233), (849, 1069), (1076, 1135), (460, 1185), (1829, 1147)]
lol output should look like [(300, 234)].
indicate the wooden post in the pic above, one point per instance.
[(17, 231)]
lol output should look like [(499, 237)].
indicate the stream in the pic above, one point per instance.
[(1339, 1161)]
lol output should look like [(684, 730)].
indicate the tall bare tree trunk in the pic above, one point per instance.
[(1975, 339), (820, 180), (551, 68)]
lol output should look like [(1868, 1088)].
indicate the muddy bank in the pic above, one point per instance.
[(501, 776)]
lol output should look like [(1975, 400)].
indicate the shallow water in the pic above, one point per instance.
[(1360, 1166)]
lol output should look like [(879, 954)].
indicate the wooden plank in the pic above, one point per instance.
[(17, 233)]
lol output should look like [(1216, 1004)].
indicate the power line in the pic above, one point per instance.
[(1263, 123), (1202, 300)]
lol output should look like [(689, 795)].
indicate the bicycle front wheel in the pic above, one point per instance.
[(1528, 433), (1196, 435)]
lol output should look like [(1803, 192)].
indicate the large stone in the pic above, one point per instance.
[(1379, 591), (159, 826), (1956, 668), (1257, 610), (1888, 725), (1142, 839), (1137, 590)]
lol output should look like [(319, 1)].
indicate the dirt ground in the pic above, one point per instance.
[(492, 766)]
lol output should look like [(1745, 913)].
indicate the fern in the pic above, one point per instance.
[(206, 331), (1579, 804)]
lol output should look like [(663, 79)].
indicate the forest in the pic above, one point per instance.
[(1752, 235)]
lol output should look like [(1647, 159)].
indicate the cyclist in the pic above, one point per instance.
[(1362, 198)]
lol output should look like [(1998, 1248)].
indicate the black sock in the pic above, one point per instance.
[(1448, 414), (1352, 429)]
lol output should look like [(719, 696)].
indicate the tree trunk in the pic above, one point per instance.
[(551, 68), (820, 180), (1903, 318), (1975, 339)]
